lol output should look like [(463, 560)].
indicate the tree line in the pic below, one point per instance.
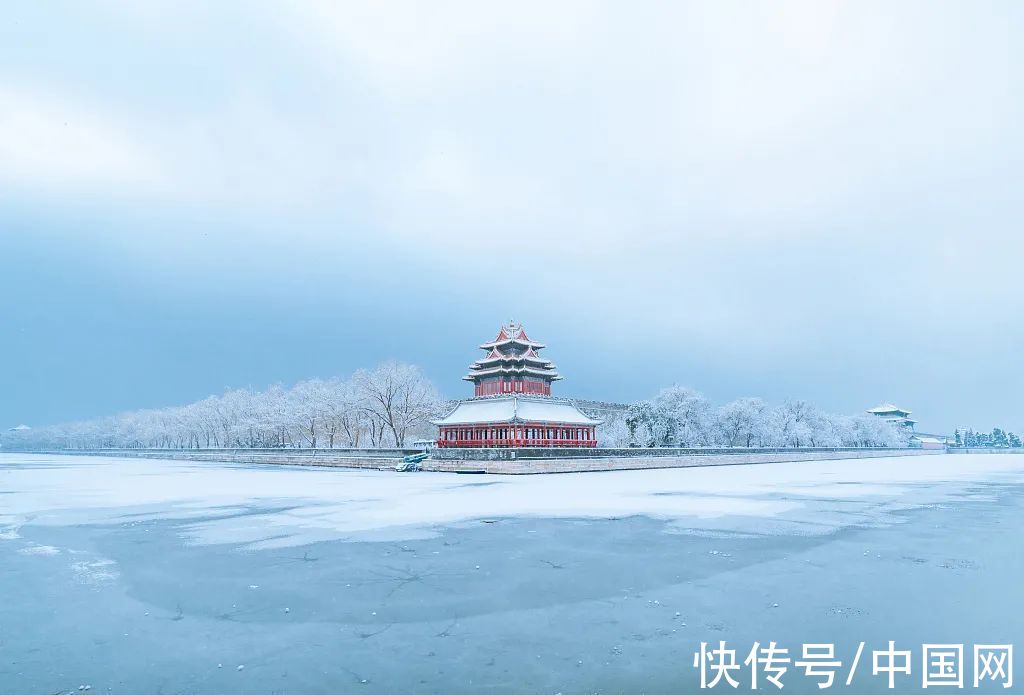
[(394, 403), (681, 417), (381, 407), (998, 438)]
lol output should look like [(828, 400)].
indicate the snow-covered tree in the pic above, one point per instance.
[(613, 432), (688, 416), (741, 422), (393, 399), (647, 427), (397, 396)]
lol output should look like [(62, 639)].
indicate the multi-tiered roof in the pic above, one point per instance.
[(894, 414), (512, 365)]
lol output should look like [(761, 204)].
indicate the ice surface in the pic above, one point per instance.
[(158, 576), (300, 505)]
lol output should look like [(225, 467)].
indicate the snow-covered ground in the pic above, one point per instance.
[(310, 505)]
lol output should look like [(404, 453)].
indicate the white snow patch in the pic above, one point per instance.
[(277, 506), (96, 572), (35, 549), (10, 525)]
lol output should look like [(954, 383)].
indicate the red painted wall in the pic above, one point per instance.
[(527, 386), (518, 435)]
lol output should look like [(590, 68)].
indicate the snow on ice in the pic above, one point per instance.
[(294, 506)]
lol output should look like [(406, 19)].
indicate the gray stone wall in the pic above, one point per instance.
[(616, 463), (339, 458), (509, 454), (983, 450), (599, 409), (551, 462)]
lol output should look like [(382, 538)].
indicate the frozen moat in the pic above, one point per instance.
[(150, 576)]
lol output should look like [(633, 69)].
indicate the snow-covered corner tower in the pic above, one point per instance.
[(512, 404)]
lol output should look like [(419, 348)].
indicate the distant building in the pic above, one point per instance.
[(513, 406), (928, 441), (899, 416), (20, 428), (893, 414)]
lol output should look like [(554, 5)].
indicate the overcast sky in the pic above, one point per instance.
[(816, 200)]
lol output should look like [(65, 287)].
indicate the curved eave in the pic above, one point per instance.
[(889, 409), (516, 410), (550, 376), (511, 341), (511, 368), (545, 364), (893, 416), (517, 421)]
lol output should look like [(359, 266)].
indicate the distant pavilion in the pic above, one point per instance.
[(513, 406), (893, 414)]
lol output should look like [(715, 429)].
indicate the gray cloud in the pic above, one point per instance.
[(787, 199)]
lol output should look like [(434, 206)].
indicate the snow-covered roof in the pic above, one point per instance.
[(512, 333), (544, 410), (525, 357), (484, 410), (516, 409), (887, 408), (511, 371)]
